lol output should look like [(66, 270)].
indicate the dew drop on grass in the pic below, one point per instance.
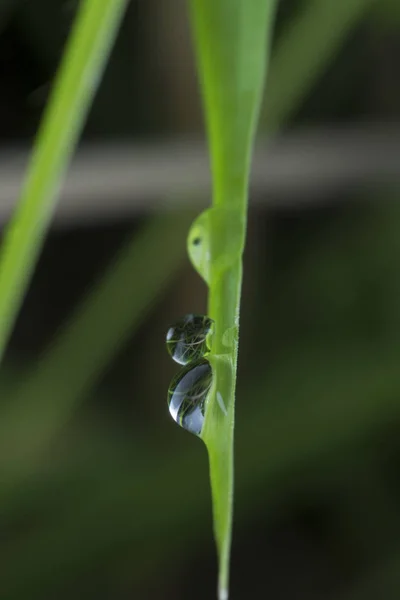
[(230, 336), (199, 245), (188, 393), (188, 339), (223, 252)]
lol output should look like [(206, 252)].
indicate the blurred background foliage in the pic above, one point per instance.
[(101, 495)]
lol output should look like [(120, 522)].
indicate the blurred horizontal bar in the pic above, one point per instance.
[(116, 180)]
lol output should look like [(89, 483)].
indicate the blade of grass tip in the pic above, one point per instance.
[(84, 60), (303, 52), (232, 41), (101, 324)]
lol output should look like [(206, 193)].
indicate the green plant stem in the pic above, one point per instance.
[(231, 39), (76, 83)]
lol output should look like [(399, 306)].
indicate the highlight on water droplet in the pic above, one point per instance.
[(221, 403), (188, 339), (188, 393)]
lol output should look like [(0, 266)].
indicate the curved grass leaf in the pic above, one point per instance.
[(232, 41), (76, 83)]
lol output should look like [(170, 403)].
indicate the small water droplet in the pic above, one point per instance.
[(230, 336), (227, 227), (187, 340), (199, 245), (187, 395)]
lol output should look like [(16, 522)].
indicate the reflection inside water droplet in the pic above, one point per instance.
[(187, 339), (188, 393)]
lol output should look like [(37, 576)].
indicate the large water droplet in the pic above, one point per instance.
[(187, 339), (187, 395)]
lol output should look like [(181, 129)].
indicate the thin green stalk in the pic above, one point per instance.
[(84, 60), (232, 41)]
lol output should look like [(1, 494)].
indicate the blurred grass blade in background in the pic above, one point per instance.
[(85, 57), (232, 39), (308, 44), (44, 401)]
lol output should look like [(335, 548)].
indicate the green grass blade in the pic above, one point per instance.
[(232, 41), (76, 83), (302, 53), (102, 322)]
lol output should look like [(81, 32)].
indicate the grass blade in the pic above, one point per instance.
[(76, 83), (231, 38)]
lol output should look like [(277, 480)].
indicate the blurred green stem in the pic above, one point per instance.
[(303, 51), (84, 60), (43, 403)]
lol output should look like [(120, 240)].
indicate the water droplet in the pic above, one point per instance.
[(188, 393), (199, 245), (227, 228), (230, 336), (187, 339)]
